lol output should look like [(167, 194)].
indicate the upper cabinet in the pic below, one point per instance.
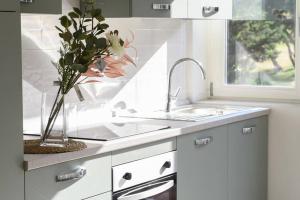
[(159, 8), (8, 5), (210, 9), (41, 6), (142, 8)]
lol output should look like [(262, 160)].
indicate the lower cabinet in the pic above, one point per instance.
[(75, 180), (105, 196), (202, 165), (248, 150), (225, 163)]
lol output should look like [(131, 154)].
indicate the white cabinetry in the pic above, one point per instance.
[(210, 9)]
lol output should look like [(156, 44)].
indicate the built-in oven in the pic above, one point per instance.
[(152, 178)]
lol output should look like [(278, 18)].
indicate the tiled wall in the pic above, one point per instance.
[(159, 43)]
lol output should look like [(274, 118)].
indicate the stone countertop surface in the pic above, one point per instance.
[(177, 128)]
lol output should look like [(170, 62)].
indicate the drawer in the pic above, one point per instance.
[(42, 184), (105, 196), (143, 151), (140, 171)]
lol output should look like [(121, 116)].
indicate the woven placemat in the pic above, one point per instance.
[(33, 147)]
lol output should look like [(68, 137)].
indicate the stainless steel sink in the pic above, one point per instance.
[(194, 113)]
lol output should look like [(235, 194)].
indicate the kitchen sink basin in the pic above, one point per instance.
[(194, 113)]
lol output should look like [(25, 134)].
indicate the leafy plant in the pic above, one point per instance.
[(84, 42)]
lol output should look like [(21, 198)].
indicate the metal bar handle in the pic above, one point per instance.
[(248, 130), (208, 11), (77, 174), (26, 1), (161, 6), (132, 195), (203, 141)]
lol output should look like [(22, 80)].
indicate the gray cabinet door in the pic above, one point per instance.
[(11, 143), (146, 8), (9, 5), (202, 169), (112, 8), (142, 8), (42, 7), (247, 171)]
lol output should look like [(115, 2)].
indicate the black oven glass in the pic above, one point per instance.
[(160, 189)]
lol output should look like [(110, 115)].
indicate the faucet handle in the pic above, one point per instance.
[(176, 93)]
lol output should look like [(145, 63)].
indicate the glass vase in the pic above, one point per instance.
[(54, 119)]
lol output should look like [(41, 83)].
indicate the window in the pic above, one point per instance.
[(261, 52)]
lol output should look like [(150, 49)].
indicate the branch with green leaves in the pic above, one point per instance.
[(83, 43)]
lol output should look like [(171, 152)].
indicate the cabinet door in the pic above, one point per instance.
[(159, 8), (210, 9), (112, 8), (11, 143), (105, 196), (202, 168), (42, 6), (247, 171), (9, 5)]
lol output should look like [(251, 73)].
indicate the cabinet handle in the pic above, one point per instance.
[(77, 174), (248, 130), (203, 141), (26, 1), (163, 6), (208, 11)]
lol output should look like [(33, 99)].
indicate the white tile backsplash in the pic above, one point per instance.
[(159, 43)]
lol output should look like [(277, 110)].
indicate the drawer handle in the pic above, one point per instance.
[(208, 11), (77, 174), (163, 6), (203, 141), (26, 1), (248, 130)]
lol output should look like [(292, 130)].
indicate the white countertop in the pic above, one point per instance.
[(34, 161)]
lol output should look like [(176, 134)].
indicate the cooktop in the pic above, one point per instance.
[(111, 131)]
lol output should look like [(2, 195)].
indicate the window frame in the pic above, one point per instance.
[(218, 70)]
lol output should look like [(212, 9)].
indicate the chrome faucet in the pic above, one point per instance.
[(171, 73)]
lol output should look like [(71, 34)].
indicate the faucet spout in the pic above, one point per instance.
[(172, 71)]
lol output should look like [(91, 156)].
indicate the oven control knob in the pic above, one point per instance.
[(127, 176), (167, 164)]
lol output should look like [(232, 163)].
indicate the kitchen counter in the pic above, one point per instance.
[(177, 128)]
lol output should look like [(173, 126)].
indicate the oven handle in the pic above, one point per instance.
[(148, 193)]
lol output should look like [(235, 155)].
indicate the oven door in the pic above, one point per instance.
[(160, 189)]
